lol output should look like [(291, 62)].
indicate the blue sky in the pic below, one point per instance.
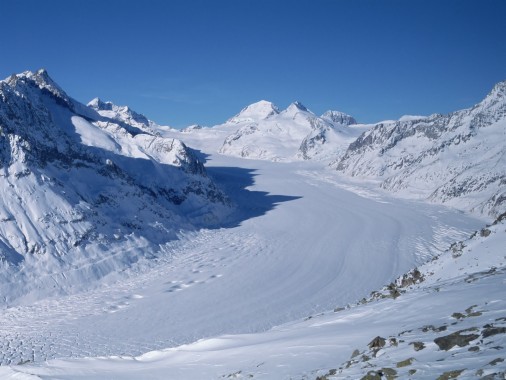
[(189, 61)]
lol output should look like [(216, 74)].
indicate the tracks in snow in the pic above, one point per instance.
[(314, 245)]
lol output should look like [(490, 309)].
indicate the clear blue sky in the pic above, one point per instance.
[(189, 61)]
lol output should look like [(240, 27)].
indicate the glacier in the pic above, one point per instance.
[(277, 245)]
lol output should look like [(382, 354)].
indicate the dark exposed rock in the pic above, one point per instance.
[(405, 363), (496, 361), (417, 346), (455, 339), (377, 343), (490, 331), (432, 328), (485, 232), (450, 374), (372, 375)]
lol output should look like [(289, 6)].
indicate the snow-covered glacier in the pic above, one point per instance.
[(123, 256)]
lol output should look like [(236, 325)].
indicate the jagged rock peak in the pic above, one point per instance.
[(339, 117), (493, 103), (123, 113), (193, 127), (256, 111), (98, 105), (41, 79), (498, 93), (297, 106)]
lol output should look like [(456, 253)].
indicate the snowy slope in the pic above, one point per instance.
[(83, 196), (261, 131), (457, 159), (281, 263), (444, 320), (254, 112)]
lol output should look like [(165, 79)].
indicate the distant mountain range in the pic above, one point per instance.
[(457, 159), (261, 131)]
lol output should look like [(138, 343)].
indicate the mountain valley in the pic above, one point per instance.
[(276, 245)]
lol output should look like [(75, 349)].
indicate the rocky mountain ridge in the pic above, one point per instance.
[(84, 195), (457, 159)]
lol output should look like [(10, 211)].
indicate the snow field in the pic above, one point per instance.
[(307, 247), (452, 324)]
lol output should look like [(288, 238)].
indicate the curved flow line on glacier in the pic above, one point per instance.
[(285, 260)]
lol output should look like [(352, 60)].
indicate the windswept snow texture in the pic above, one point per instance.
[(457, 159), (84, 196), (261, 131)]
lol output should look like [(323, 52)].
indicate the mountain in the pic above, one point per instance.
[(338, 117), (118, 252), (457, 159), (261, 131), (254, 112), (191, 128), (125, 116), (84, 195)]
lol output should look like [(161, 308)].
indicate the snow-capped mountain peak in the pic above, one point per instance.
[(458, 159), (40, 79), (295, 133), (254, 112), (74, 181), (123, 114), (495, 99), (43, 80), (499, 90), (295, 108), (98, 105), (338, 117)]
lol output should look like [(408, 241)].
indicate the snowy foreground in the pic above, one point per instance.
[(275, 297)]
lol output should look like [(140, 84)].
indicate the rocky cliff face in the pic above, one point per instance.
[(85, 195), (458, 159)]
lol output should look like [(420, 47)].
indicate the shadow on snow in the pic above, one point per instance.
[(234, 181)]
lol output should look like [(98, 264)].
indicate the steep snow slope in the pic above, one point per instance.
[(457, 159), (261, 131), (444, 320), (83, 196)]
